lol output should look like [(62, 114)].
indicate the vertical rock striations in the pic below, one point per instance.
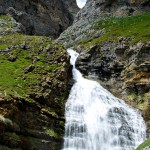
[(48, 18)]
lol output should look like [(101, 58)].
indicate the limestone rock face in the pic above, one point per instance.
[(112, 60), (48, 18), (99, 10), (72, 6), (121, 68), (111, 51)]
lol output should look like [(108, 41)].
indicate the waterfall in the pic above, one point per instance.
[(97, 120)]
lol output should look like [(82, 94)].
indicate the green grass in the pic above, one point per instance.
[(5, 17), (17, 39), (10, 75), (3, 46), (143, 145), (13, 79), (135, 27), (7, 24), (37, 85), (141, 100), (51, 132)]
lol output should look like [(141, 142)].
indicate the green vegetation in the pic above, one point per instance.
[(5, 17), (52, 133), (25, 60), (3, 46), (143, 145), (12, 137), (16, 77), (141, 100), (32, 70), (6, 25), (134, 27), (9, 74)]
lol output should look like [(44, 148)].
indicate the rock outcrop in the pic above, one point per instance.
[(33, 90), (123, 70), (48, 18), (99, 10), (112, 37), (34, 71), (72, 6)]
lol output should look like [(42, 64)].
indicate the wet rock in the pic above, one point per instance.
[(121, 68), (99, 61), (146, 148)]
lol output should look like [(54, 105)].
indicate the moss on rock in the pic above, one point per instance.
[(33, 88)]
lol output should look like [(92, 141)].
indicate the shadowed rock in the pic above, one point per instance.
[(48, 18)]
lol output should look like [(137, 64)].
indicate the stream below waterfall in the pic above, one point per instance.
[(97, 120)]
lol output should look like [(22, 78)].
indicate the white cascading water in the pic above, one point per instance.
[(96, 120)]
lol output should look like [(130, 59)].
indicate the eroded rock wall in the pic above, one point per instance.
[(112, 37), (99, 10), (33, 90), (48, 18)]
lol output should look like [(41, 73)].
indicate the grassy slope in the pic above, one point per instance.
[(135, 27), (31, 65), (12, 74), (24, 48)]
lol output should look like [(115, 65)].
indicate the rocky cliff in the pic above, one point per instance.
[(33, 90), (48, 18), (113, 40), (99, 10), (72, 6)]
